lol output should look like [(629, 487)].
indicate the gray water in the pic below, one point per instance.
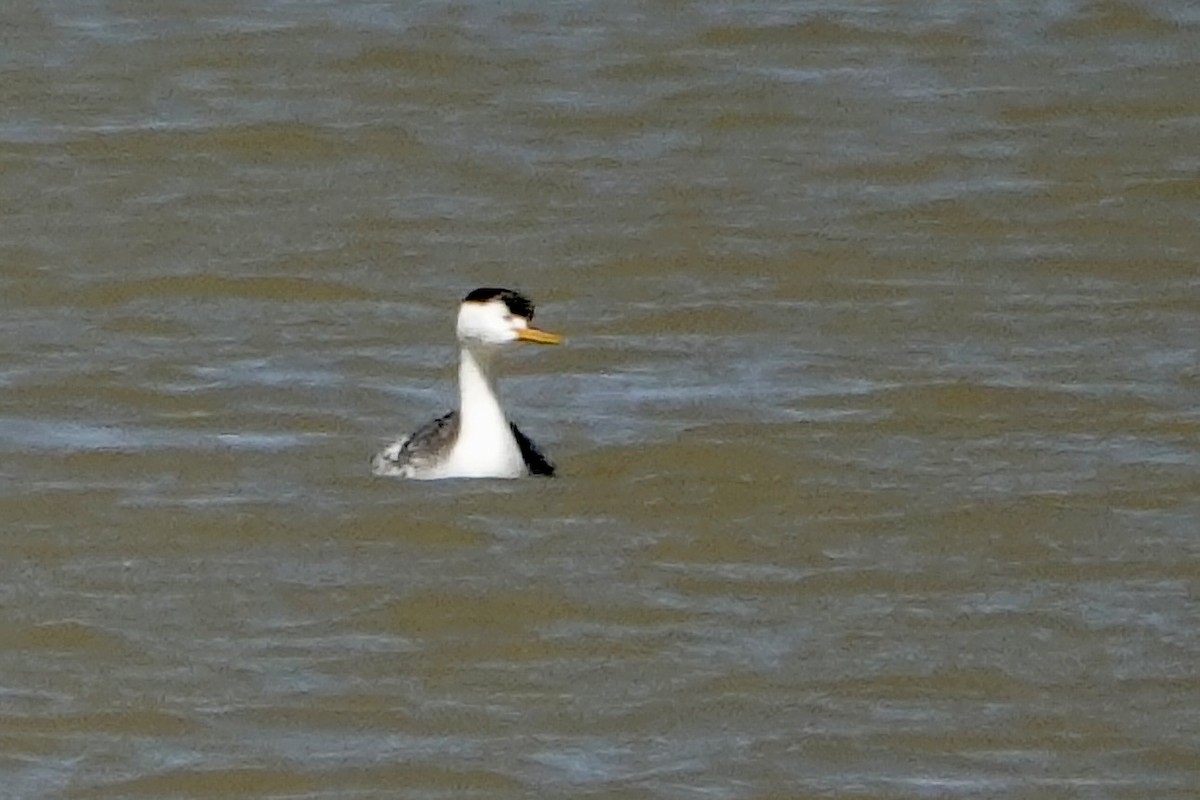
[(877, 417)]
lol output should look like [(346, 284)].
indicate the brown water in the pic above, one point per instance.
[(878, 417)]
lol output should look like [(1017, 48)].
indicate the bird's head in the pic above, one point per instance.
[(491, 318)]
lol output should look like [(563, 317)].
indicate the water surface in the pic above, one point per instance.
[(877, 418)]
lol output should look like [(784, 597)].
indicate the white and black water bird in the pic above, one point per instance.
[(477, 440)]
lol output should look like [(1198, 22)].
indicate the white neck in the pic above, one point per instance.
[(479, 403), (485, 445)]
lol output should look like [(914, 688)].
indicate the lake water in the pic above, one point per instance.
[(877, 419)]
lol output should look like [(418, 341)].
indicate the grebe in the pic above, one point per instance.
[(477, 440)]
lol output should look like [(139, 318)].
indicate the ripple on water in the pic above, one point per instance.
[(876, 416)]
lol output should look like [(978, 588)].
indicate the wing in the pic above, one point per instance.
[(420, 451), (534, 458)]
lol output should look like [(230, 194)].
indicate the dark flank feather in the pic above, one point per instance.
[(534, 458), (430, 440), (422, 449)]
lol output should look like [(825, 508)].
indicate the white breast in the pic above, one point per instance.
[(483, 452)]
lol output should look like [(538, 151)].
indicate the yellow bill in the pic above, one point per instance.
[(538, 336)]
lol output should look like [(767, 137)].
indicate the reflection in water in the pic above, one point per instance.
[(877, 430)]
